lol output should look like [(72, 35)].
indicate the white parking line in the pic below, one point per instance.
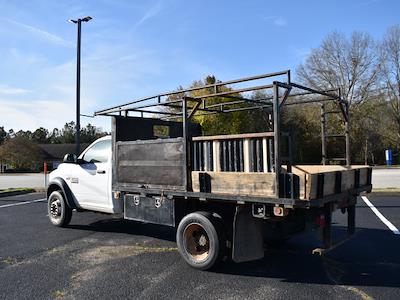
[(380, 216), (21, 203)]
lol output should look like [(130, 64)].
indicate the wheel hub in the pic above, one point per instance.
[(196, 242), (202, 240), (55, 208)]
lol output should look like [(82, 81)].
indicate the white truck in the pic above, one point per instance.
[(227, 195), (88, 180)]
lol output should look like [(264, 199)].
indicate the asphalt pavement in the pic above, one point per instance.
[(101, 256)]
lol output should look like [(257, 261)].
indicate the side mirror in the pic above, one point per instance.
[(70, 158)]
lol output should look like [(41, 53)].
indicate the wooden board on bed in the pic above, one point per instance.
[(237, 183)]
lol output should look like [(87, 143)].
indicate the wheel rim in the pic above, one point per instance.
[(55, 208), (196, 242)]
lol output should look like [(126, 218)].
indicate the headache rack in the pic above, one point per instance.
[(249, 153)]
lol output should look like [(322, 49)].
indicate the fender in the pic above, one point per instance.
[(58, 183)]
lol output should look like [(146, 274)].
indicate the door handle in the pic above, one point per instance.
[(101, 172)]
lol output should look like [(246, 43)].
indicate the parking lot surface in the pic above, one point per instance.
[(102, 256)]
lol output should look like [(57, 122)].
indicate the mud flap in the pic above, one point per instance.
[(247, 236)]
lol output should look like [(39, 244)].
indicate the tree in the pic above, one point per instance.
[(19, 152), (303, 123), (219, 123), (91, 133), (10, 134), (67, 135), (27, 134), (54, 137), (391, 75), (372, 130), (352, 65), (3, 135), (40, 135), (261, 118)]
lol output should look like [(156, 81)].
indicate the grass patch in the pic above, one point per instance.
[(9, 260), (59, 294), (27, 190), (19, 190)]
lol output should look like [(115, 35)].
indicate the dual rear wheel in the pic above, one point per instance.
[(201, 240)]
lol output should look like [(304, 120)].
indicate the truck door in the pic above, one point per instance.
[(90, 180)]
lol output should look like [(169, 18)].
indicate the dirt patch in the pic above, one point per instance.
[(91, 262), (101, 254)]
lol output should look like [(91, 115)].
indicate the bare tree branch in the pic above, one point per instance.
[(353, 65)]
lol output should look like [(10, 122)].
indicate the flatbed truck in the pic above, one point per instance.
[(226, 195)]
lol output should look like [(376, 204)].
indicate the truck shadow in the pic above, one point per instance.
[(369, 258), (119, 225), (359, 261)]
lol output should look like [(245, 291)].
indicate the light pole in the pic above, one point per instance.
[(78, 82)]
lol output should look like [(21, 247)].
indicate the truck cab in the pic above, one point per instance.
[(88, 178)]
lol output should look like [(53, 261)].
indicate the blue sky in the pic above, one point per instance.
[(137, 48)]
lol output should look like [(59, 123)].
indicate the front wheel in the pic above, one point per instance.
[(201, 240), (59, 212)]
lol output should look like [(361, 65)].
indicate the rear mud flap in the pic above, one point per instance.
[(247, 236)]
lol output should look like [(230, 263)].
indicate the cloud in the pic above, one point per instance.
[(33, 114), (52, 38), (7, 90), (301, 53), (50, 102), (41, 92), (150, 13), (277, 20), (29, 115)]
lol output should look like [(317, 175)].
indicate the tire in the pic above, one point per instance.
[(201, 240), (59, 212)]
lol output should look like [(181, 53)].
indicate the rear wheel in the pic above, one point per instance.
[(201, 240), (59, 212)]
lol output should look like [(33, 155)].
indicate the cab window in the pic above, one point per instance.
[(98, 153)]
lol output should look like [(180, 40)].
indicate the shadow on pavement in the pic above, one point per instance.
[(129, 227), (370, 258)]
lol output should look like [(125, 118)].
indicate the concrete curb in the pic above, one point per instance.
[(387, 194), (386, 167)]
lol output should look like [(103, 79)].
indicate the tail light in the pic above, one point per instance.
[(280, 211)]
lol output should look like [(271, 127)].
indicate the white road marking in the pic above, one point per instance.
[(21, 203), (380, 216)]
